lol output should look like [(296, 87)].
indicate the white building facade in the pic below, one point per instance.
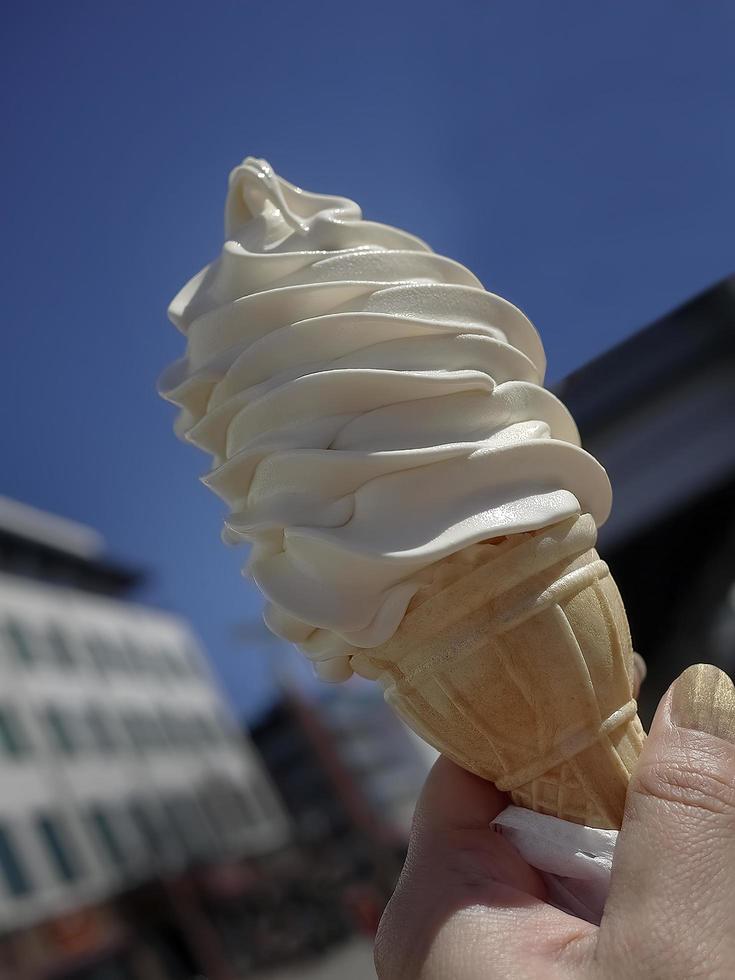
[(119, 759)]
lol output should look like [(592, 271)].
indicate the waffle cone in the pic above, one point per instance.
[(514, 660)]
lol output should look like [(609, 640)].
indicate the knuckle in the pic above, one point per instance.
[(683, 784)]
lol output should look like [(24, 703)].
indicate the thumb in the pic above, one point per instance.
[(672, 891)]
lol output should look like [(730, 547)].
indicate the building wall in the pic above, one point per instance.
[(111, 727)]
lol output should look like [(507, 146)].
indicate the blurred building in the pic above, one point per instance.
[(129, 794), (658, 411), (341, 759), (379, 752), (349, 773)]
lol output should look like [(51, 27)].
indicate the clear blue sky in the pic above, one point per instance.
[(578, 157)]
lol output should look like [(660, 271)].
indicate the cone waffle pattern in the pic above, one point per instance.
[(515, 661)]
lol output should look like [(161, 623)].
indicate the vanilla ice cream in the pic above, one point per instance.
[(370, 409)]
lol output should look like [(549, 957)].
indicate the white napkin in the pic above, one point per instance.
[(574, 861)]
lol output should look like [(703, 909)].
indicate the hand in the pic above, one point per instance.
[(468, 907)]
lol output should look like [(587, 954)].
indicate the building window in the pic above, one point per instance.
[(161, 840), (133, 656), (13, 739), (144, 731), (117, 657), (210, 804), (55, 839), (100, 728), (20, 642), (60, 649), (174, 825), (132, 730), (147, 828), (159, 664), (204, 733), (155, 736), (172, 729), (59, 727), (125, 662), (106, 836), (101, 654), (162, 720), (15, 874)]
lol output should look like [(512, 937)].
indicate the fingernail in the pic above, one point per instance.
[(703, 699)]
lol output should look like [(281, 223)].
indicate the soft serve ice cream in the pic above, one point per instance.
[(370, 409)]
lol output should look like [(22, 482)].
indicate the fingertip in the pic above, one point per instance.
[(702, 699), (453, 837), (454, 799)]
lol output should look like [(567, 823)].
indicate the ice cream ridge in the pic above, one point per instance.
[(418, 506)]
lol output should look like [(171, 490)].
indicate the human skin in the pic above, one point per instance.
[(467, 907)]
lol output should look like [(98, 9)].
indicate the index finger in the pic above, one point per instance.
[(466, 899)]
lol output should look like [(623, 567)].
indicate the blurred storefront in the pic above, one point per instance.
[(659, 412), (129, 796)]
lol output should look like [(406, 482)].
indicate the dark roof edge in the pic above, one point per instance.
[(656, 356)]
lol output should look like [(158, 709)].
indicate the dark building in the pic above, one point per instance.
[(349, 774), (658, 411), (308, 783)]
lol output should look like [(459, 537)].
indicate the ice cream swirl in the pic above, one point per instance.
[(370, 409)]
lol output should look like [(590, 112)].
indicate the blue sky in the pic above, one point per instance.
[(578, 157)]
